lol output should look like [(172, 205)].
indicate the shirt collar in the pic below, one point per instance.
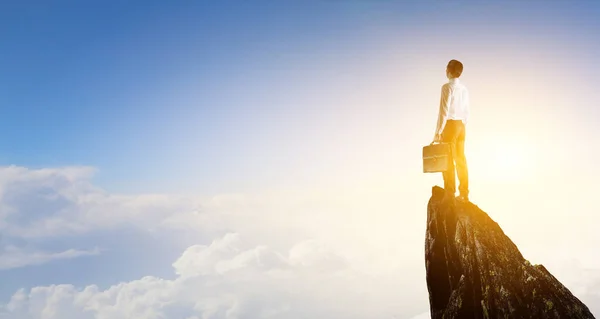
[(454, 80)]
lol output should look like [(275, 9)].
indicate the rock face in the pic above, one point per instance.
[(475, 271)]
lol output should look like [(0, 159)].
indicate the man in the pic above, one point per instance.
[(452, 120)]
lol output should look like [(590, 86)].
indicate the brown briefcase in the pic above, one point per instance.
[(436, 158)]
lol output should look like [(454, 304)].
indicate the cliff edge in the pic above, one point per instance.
[(475, 271)]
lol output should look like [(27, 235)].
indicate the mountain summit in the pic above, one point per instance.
[(475, 271)]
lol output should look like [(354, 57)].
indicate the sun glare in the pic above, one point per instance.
[(506, 160)]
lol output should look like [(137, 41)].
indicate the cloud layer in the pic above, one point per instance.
[(273, 255), (344, 253), (227, 280)]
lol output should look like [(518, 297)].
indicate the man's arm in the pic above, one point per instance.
[(443, 113)]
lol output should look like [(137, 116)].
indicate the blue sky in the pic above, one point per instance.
[(198, 143), (108, 84), (169, 97)]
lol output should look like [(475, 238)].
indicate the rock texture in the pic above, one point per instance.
[(475, 271)]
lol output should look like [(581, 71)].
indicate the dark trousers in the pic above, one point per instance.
[(454, 134)]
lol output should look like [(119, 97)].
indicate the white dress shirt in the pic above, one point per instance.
[(454, 104)]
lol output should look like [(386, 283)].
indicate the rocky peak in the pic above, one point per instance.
[(475, 271)]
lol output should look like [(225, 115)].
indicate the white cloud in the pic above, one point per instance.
[(13, 257), (365, 225), (227, 280), (54, 202)]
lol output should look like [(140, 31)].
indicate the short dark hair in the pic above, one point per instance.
[(455, 68)]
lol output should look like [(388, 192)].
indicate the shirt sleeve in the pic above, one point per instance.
[(443, 113)]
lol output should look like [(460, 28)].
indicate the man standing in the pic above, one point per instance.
[(452, 120)]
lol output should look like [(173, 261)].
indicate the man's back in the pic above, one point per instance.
[(457, 100)]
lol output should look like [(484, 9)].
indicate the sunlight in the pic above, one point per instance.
[(507, 160)]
